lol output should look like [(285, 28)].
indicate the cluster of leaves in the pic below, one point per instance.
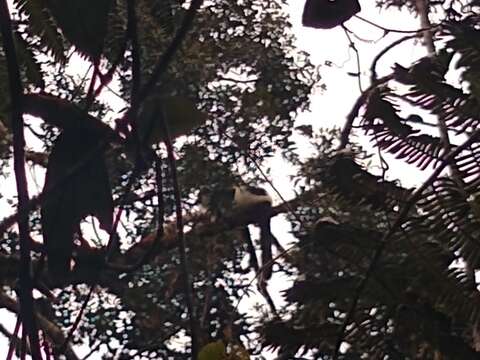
[(380, 271), (384, 271), (250, 97)]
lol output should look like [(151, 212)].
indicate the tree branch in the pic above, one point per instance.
[(347, 128), (53, 332), (64, 114), (399, 31), (423, 8), (15, 87), (373, 67)]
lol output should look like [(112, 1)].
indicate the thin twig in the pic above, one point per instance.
[(151, 250), (14, 340), (238, 81), (105, 79), (388, 30), (398, 222), (78, 318), (79, 87), (160, 200), (93, 350), (91, 88), (373, 67), (23, 344), (207, 304), (16, 91), (187, 283), (136, 79), (347, 128), (136, 65), (53, 332), (357, 56)]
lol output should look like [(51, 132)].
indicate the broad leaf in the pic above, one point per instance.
[(76, 185), (212, 351), (180, 114), (41, 25), (84, 23)]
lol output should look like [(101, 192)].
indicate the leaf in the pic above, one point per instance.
[(76, 185), (238, 352), (213, 351), (358, 185), (41, 25), (397, 137), (180, 114), (305, 130), (326, 14), (83, 23), (5, 140), (26, 57), (474, 202)]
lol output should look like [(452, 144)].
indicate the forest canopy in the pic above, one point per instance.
[(141, 219)]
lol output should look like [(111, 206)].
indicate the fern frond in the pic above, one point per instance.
[(429, 91), (413, 274), (117, 26), (391, 133), (83, 23), (30, 66), (288, 338), (457, 109), (465, 41), (449, 215), (416, 264), (42, 27), (468, 165), (357, 185)]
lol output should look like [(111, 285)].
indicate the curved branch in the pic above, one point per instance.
[(388, 30), (64, 114), (373, 70), (347, 128), (357, 56)]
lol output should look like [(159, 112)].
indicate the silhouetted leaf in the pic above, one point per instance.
[(84, 23), (180, 114), (326, 14), (76, 185)]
